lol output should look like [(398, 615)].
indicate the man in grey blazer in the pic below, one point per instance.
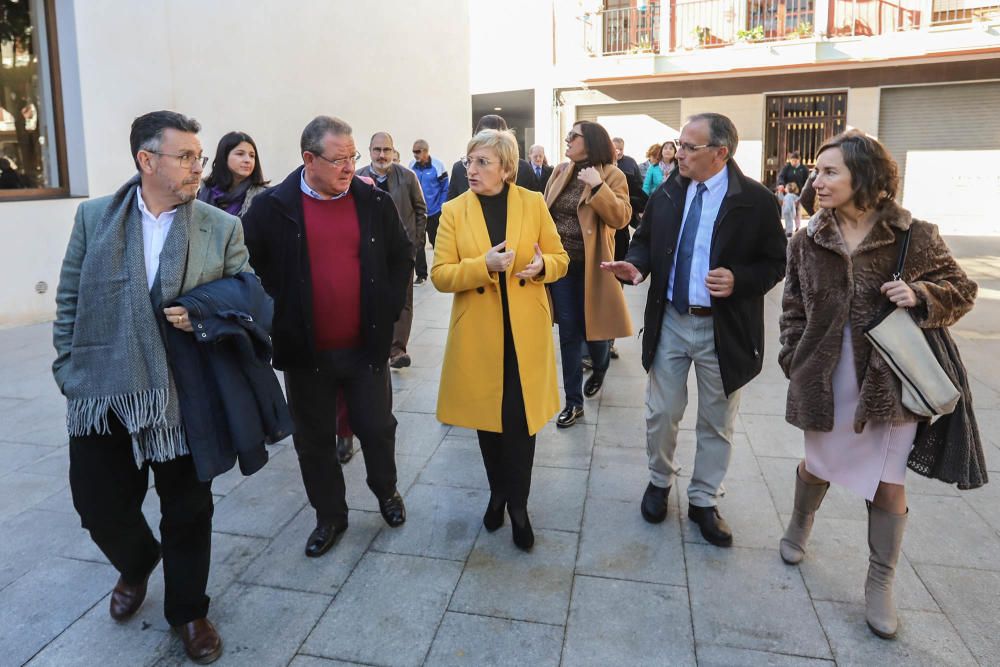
[(404, 189), (129, 255)]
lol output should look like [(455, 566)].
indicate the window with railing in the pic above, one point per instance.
[(872, 17), (631, 26), (948, 12), (32, 162)]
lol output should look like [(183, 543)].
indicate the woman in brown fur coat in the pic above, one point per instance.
[(842, 394)]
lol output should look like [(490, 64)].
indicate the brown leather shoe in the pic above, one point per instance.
[(126, 599), (201, 641)]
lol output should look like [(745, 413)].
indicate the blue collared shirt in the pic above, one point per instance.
[(711, 202), (312, 193)]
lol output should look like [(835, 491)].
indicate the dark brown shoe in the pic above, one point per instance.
[(201, 641), (126, 599)]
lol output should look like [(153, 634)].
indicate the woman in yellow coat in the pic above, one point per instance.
[(496, 249)]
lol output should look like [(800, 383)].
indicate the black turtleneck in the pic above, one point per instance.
[(495, 212)]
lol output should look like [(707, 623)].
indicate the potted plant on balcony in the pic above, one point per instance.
[(803, 30), (702, 34), (754, 34)]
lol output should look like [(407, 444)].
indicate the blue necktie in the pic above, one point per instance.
[(685, 252), (538, 172)]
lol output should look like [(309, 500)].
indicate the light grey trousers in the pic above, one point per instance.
[(685, 339)]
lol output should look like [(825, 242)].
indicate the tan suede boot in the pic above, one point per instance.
[(885, 538), (807, 500)]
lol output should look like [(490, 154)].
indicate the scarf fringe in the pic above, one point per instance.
[(136, 411), (159, 445)]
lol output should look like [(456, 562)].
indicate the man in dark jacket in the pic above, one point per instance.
[(711, 239), (403, 187), (626, 163), (333, 253), (540, 168), (793, 172)]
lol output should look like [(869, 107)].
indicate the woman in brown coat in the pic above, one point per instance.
[(842, 394), (589, 201)]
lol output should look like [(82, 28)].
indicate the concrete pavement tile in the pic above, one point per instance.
[(14, 455), (565, 447), (623, 391), (773, 436), (426, 356), (971, 601), (261, 505), (55, 464), (618, 473), (748, 509), (36, 422), (40, 605), (628, 623), (985, 501), (33, 536), (924, 639), (360, 497), (429, 336), (259, 626), (500, 580), (937, 523), (420, 399), (724, 656), (839, 503), (836, 565), (621, 427), (457, 462), (918, 484), (764, 398), (407, 379), (463, 639), (616, 542), (313, 661), (23, 490), (557, 497), (283, 563), (441, 522), (460, 432), (387, 612), (781, 617), (418, 435), (95, 639), (227, 482), (742, 462)]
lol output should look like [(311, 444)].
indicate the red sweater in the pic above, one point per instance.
[(333, 237)]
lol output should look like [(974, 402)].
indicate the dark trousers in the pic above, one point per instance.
[(421, 260), (108, 490), (312, 400), (508, 456), (568, 302)]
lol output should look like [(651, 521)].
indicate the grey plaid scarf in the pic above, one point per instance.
[(118, 360)]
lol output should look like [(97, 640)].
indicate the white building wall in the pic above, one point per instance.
[(401, 66)]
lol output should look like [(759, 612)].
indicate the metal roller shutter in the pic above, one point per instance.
[(667, 112)]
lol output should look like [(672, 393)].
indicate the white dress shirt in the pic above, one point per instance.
[(309, 192), (154, 233), (711, 202)]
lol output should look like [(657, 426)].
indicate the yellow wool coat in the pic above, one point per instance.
[(472, 372), (601, 214)]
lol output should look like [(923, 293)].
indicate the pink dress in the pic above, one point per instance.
[(858, 461)]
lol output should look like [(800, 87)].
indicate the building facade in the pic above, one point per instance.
[(74, 73), (921, 75)]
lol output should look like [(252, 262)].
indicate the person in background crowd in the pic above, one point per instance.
[(807, 198), (652, 157), (660, 171), (497, 249), (842, 394), (123, 409), (793, 172), (711, 239), (403, 187), (395, 156), (627, 164), (790, 209), (433, 177), (589, 201), (459, 181), (539, 167), (9, 178), (236, 177), (333, 253)]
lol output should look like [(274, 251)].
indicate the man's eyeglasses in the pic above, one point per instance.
[(480, 162), (340, 162), (691, 148), (418, 151), (187, 160), (379, 151)]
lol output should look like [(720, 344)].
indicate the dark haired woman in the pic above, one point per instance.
[(660, 171), (842, 394), (236, 176), (588, 198)]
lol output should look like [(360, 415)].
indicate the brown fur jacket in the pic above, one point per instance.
[(826, 288)]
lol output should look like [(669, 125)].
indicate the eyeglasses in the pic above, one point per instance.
[(691, 148), (187, 160), (340, 162), (418, 151), (378, 150), (480, 162), (572, 135)]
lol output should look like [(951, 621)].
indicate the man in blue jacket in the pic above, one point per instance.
[(433, 177)]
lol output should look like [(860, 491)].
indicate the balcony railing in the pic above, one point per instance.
[(705, 24), (631, 30)]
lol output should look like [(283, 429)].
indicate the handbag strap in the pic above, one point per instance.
[(904, 246)]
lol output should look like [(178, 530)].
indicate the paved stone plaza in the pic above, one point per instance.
[(602, 587)]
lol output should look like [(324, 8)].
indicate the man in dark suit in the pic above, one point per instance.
[(627, 164), (711, 239), (540, 168)]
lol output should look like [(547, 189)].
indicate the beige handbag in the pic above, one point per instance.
[(927, 389)]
